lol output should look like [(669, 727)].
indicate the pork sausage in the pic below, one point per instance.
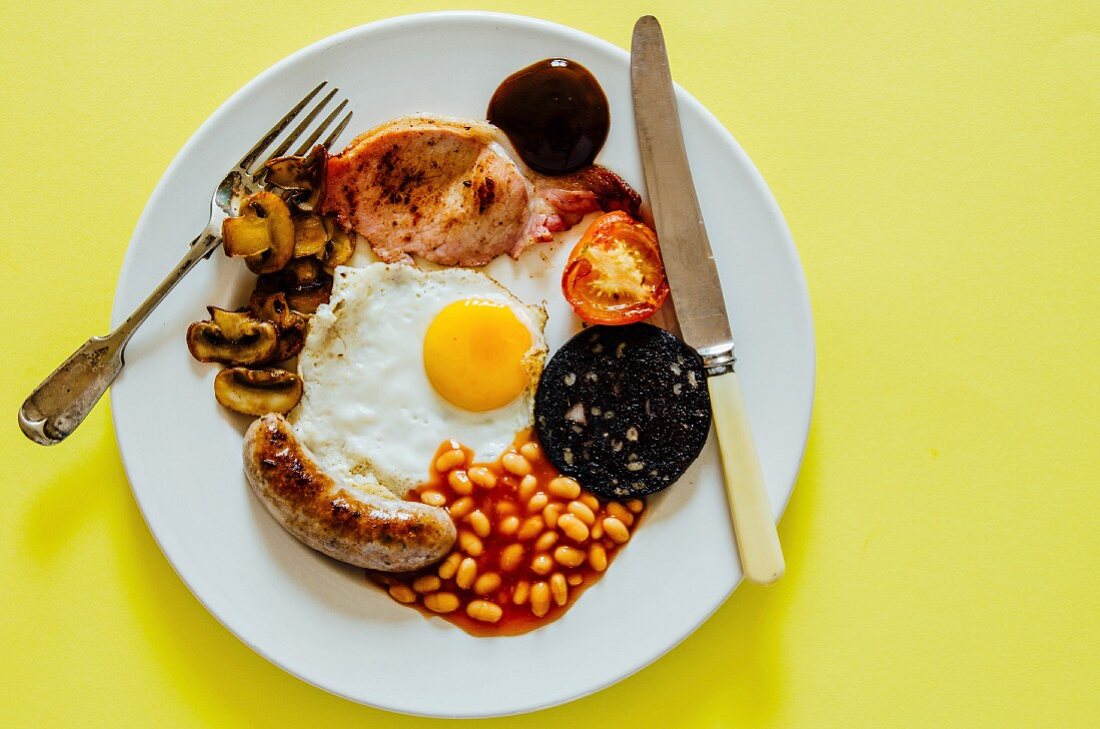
[(337, 519)]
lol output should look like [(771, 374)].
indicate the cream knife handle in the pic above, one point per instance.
[(757, 539)]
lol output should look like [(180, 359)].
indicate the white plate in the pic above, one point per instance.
[(322, 621)]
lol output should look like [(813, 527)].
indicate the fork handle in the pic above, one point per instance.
[(62, 401)]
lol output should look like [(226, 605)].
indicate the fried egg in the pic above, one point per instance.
[(401, 360)]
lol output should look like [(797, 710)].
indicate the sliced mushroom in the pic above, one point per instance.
[(304, 282), (263, 233), (257, 392), (302, 178), (340, 245), (232, 337), (291, 339), (271, 307), (247, 235), (291, 325), (310, 235)]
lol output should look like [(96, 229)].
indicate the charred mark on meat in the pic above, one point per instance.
[(485, 193)]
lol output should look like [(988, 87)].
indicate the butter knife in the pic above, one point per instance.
[(697, 295)]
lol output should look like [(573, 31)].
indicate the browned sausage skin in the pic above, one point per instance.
[(341, 521)]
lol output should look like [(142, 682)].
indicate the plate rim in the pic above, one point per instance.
[(446, 16)]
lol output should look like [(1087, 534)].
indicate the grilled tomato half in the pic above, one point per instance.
[(614, 274)]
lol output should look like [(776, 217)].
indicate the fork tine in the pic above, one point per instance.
[(320, 130), (274, 132), (298, 130), (336, 132)]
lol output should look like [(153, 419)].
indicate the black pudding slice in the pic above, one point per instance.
[(624, 409)]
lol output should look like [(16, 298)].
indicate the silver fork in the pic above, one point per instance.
[(64, 399)]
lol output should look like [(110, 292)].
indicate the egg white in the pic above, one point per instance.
[(368, 411)]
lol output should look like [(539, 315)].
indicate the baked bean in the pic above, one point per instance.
[(515, 464), (479, 523), (564, 487), (527, 487), (531, 451), (449, 566), (597, 557), (433, 498), (545, 541), (551, 513), (582, 512), (467, 573), (488, 582), (616, 530), (537, 503), (506, 508), (620, 512), (482, 476), (558, 588), (539, 534), (511, 557), (460, 483), (402, 593), (485, 611), (450, 459), (470, 544), (441, 602), (531, 528), (573, 527), (542, 564), (508, 525), (568, 556), (540, 599), (462, 507), (426, 583)]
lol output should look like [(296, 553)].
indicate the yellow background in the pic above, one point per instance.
[(939, 166)]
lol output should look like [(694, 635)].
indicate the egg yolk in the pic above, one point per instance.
[(473, 354)]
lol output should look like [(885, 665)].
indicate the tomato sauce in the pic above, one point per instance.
[(512, 496)]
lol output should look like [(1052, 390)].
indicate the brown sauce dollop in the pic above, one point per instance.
[(555, 114)]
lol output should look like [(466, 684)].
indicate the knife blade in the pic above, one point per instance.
[(697, 296)]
